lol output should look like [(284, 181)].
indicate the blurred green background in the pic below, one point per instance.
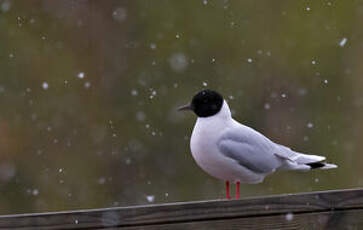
[(88, 91)]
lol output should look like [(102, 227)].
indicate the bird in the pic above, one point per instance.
[(235, 153)]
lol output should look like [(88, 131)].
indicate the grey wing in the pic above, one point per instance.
[(250, 149), (299, 158)]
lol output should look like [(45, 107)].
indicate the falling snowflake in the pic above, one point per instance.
[(45, 85), (343, 42)]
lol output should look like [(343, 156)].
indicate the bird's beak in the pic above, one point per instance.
[(185, 107)]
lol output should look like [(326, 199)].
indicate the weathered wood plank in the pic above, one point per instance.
[(191, 213), (352, 219)]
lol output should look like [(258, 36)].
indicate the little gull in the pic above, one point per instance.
[(233, 152)]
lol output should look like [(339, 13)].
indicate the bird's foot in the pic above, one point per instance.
[(237, 191), (227, 190)]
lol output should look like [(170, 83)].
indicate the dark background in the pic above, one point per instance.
[(88, 91)]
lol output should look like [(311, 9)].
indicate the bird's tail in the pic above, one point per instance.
[(300, 161), (313, 161), (293, 165), (304, 162)]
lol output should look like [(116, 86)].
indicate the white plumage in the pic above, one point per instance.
[(234, 152)]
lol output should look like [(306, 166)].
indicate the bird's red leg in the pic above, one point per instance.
[(227, 190), (237, 192)]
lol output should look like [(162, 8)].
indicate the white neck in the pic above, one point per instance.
[(207, 130)]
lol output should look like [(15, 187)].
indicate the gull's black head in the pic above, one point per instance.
[(206, 103)]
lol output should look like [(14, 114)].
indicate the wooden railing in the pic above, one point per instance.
[(339, 209)]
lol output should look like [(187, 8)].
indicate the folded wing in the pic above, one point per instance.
[(259, 154), (250, 149)]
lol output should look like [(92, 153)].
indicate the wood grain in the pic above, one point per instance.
[(319, 209), (351, 219)]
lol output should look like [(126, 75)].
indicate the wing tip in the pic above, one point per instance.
[(329, 166), (322, 165)]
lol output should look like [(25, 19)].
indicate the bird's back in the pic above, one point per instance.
[(250, 148)]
